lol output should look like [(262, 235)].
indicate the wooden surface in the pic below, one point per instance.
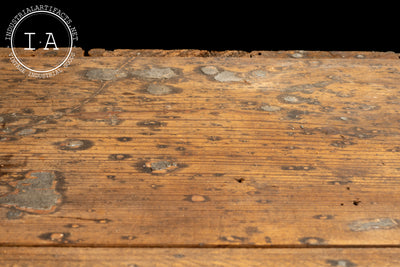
[(132, 257), (283, 156)]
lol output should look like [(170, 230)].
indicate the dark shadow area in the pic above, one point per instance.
[(224, 25)]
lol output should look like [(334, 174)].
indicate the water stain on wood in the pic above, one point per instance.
[(312, 241), (161, 89), (161, 165), (158, 166), (221, 75), (196, 198), (227, 76), (104, 74), (348, 134), (74, 144), (374, 224), (341, 263), (307, 88), (361, 132), (152, 124), (26, 131), (297, 168), (214, 138), (250, 230), (323, 217), (346, 119), (162, 146), (296, 114), (179, 256), (124, 139), (367, 107), (108, 115), (119, 157), (209, 70), (259, 73), (339, 182), (294, 99), (270, 108), (155, 73), (342, 143), (248, 105), (128, 237), (233, 239), (14, 214)]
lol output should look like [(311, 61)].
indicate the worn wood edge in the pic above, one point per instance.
[(241, 53), (299, 54), (45, 256)]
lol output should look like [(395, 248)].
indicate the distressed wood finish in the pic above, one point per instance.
[(132, 257), (189, 149)]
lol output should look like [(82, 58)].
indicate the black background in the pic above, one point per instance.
[(226, 25)]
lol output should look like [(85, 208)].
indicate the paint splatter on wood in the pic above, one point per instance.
[(38, 192)]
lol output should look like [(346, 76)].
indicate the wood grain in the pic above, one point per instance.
[(197, 257), (194, 150)]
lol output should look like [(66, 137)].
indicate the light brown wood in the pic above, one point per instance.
[(128, 149), (131, 257)]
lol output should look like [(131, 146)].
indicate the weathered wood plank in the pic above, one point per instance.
[(201, 151), (44, 256)]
